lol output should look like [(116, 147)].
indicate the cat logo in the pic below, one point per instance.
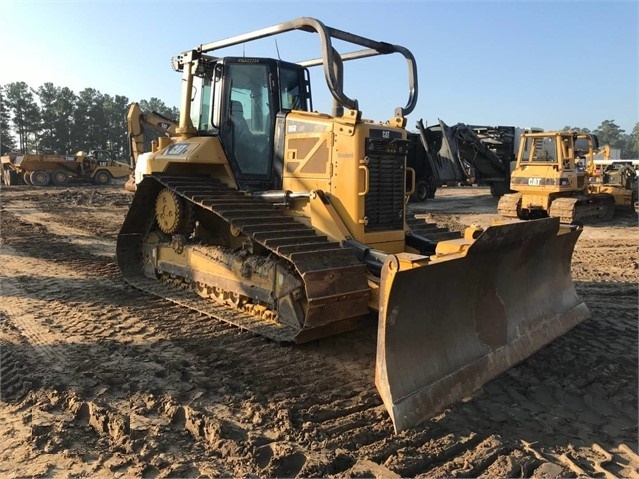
[(534, 181)]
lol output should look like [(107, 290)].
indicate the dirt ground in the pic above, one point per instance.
[(100, 380)]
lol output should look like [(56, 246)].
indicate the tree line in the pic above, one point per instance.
[(609, 133), (54, 120)]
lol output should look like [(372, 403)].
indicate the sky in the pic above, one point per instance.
[(521, 63)]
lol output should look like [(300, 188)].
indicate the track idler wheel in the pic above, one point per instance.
[(173, 214)]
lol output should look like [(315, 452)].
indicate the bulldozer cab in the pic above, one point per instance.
[(566, 149), (243, 101), (554, 162), (539, 149), (239, 100)]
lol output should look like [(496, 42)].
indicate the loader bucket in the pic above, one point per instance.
[(448, 327)]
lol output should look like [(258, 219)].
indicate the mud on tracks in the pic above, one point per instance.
[(100, 379)]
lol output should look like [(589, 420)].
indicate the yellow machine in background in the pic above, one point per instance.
[(292, 223), (96, 166), (556, 176), (137, 122)]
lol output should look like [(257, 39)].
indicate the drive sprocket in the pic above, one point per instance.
[(174, 215)]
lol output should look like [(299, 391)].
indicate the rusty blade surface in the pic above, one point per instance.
[(447, 328)]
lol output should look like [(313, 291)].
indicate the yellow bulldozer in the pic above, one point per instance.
[(556, 175), (292, 223)]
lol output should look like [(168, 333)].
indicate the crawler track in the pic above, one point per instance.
[(584, 209), (334, 279)]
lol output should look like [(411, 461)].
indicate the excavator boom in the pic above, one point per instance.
[(137, 121)]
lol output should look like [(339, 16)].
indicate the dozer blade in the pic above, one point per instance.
[(448, 327)]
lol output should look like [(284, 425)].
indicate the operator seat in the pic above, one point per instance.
[(244, 142), (240, 125)]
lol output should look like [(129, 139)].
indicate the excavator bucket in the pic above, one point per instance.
[(451, 325)]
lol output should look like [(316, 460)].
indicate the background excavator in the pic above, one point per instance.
[(292, 224), (141, 140), (556, 176)]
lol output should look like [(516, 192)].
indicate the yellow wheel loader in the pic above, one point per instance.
[(292, 223), (556, 176)]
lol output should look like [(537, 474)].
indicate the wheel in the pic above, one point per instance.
[(421, 191), (60, 177), (27, 178), (40, 178), (102, 177)]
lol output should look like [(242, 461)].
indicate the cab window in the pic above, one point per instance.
[(541, 150), (293, 95), (250, 117)]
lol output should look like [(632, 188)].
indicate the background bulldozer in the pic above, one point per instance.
[(291, 223), (556, 176)]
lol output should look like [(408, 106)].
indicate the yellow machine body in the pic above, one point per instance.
[(555, 175), (307, 236), (97, 166)]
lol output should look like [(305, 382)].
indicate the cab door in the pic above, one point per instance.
[(247, 120)]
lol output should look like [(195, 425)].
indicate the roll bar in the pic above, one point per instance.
[(331, 59)]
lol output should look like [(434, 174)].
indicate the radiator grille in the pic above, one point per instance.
[(384, 204)]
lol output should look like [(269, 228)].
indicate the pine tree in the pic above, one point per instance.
[(7, 141)]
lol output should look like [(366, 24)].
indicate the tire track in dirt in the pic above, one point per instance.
[(100, 399), (251, 407), (97, 418), (49, 342)]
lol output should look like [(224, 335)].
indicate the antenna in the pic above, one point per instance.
[(277, 48)]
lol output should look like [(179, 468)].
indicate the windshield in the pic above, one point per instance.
[(542, 150)]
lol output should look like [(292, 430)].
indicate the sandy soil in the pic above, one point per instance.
[(100, 380)]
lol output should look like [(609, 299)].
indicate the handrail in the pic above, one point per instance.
[(328, 59)]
